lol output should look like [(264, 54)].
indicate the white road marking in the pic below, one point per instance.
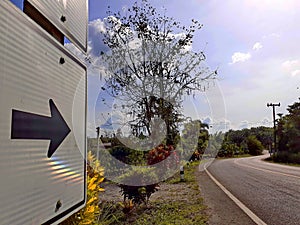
[(254, 217), (266, 170)]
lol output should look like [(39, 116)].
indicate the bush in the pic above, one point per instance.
[(160, 153), (90, 213), (287, 157), (255, 147), (135, 185), (140, 193), (228, 150)]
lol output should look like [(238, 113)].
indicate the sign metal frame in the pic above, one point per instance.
[(61, 21)]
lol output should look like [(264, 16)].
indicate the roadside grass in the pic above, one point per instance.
[(178, 202), (242, 156), (269, 160), (235, 156), (189, 176)]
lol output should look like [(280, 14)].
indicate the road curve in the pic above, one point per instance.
[(269, 190)]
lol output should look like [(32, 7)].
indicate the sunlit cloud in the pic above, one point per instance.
[(292, 67), (290, 64), (257, 46), (240, 57), (98, 25), (295, 73), (217, 125)]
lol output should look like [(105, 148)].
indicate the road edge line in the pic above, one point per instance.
[(246, 210), (265, 170)]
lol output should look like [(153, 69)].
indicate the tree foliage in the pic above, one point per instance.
[(246, 141), (255, 147), (150, 67), (288, 133)]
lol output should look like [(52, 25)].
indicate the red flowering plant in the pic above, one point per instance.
[(167, 158), (161, 153)]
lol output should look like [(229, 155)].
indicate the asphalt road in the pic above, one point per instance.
[(269, 190)]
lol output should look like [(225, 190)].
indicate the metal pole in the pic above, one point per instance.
[(181, 173), (98, 134), (274, 123)]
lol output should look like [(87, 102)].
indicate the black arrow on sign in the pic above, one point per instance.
[(32, 126)]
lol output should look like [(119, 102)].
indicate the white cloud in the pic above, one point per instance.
[(218, 125), (292, 67), (295, 73), (240, 57), (257, 46), (244, 124), (290, 64), (266, 122), (98, 25), (71, 47)]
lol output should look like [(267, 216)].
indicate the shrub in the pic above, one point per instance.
[(90, 213), (139, 193), (160, 153), (135, 185), (255, 147), (287, 157), (228, 149), (129, 156)]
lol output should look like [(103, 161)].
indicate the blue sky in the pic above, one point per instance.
[(253, 43)]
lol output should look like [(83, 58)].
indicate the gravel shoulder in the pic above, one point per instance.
[(174, 203), (199, 194), (221, 209)]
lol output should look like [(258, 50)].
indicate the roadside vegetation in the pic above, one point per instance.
[(288, 136), (253, 141), (149, 90), (246, 142), (91, 212), (176, 202)]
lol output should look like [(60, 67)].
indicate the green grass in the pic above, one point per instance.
[(174, 213), (242, 156), (189, 176), (236, 156), (181, 204), (187, 208), (269, 160)]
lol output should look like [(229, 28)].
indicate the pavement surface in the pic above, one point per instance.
[(222, 210), (270, 191)]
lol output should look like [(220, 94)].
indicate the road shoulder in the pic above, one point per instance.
[(221, 209)]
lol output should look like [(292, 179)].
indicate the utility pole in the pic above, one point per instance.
[(274, 122)]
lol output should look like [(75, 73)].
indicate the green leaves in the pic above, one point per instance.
[(150, 55)]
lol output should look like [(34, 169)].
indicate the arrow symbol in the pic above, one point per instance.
[(32, 126)]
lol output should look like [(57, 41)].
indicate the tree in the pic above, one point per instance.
[(254, 145), (251, 141), (292, 127), (150, 68), (202, 140), (288, 130)]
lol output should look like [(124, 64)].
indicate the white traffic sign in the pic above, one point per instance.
[(69, 16), (42, 124)]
